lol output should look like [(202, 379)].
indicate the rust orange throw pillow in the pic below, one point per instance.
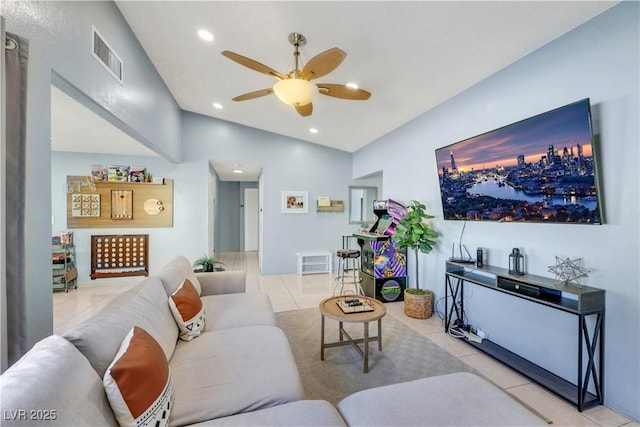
[(138, 382), (188, 310)]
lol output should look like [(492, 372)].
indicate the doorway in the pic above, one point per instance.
[(250, 219)]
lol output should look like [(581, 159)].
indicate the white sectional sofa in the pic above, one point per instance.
[(240, 371), (241, 363)]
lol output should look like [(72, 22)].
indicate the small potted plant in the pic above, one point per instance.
[(206, 264), (413, 232)]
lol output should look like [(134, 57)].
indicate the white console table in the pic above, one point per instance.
[(314, 262)]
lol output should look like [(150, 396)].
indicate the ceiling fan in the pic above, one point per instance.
[(295, 87)]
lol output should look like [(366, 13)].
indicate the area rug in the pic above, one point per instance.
[(405, 356)]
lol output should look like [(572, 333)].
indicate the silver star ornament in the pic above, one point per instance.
[(569, 271)]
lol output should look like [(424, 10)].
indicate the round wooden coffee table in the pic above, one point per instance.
[(376, 310)]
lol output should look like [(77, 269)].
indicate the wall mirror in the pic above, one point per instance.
[(361, 204)]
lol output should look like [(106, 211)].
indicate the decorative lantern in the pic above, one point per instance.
[(516, 262)]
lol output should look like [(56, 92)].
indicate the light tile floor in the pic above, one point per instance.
[(293, 292)]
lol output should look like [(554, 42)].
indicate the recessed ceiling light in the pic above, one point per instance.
[(238, 171), (352, 86), (205, 35), (217, 105), (313, 130)]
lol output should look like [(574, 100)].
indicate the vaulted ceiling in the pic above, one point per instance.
[(411, 55)]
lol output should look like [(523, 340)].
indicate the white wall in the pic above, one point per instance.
[(162, 241), (598, 60)]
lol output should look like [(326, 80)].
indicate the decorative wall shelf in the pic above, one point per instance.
[(112, 204), (335, 206)]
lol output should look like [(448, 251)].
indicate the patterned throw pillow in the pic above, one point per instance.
[(138, 382), (188, 310)]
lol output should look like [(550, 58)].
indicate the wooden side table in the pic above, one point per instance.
[(330, 308)]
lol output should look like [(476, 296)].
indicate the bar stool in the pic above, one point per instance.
[(348, 260)]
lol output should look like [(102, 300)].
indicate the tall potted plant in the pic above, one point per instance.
[(413, 232)]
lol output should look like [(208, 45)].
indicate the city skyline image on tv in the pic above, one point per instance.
[(541, 169)]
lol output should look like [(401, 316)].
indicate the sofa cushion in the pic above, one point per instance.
[(301, 413), (234, 310), (459, 399), (187, 310), (145, 305), (222, 282), (174, 272), (138, 382), (53, 384), (231, 371)]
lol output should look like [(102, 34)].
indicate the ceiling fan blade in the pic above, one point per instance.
[(323, 63), (254, 65), (305, 110), (342, 91), (252, 95)]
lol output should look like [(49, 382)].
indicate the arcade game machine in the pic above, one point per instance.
[(383, 267)]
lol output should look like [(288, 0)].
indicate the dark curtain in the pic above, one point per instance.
[(16, 54)]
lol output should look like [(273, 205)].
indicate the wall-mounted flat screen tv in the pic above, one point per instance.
[(541, 169)]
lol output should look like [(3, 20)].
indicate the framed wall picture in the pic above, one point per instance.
[(295, 202)]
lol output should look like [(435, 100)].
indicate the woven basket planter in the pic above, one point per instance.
[(418, 306)]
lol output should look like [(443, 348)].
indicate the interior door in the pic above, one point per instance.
[(211, 220), (250, 219)]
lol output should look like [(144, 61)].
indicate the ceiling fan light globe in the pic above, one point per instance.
[(294, 91)]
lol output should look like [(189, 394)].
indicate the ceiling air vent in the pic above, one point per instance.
[(107, 57)]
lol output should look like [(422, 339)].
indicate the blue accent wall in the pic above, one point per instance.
[(230, 219), (230, 224)]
